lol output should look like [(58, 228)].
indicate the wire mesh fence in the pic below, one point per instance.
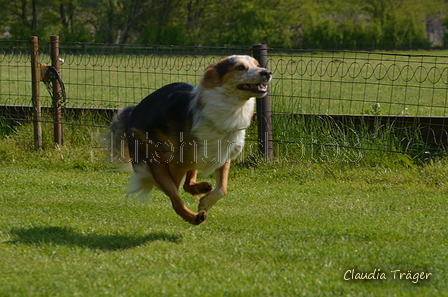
[(343, 102), (98, 76), (325, 104), (331, 82)]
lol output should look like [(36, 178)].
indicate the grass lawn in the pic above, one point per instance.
[(67, 229)]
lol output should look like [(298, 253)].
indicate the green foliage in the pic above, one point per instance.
[(169, 34), (372, 24), (324, 24)]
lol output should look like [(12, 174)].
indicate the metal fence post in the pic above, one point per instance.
[(57, 107), (265, 144), (35, 89)]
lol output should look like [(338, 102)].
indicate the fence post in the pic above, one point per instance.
[(265, 144), (35, 91), (57, 107)]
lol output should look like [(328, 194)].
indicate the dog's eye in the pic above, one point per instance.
[(241, 67)]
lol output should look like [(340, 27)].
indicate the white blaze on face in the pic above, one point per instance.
[(239, 76)]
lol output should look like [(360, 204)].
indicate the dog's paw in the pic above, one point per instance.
[(200, 218), (205, 187), (199, 188)]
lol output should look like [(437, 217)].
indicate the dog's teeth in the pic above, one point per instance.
[(262, 87)]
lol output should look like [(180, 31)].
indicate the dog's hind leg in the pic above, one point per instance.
[(193, 187), (169, 181), (221, 176)]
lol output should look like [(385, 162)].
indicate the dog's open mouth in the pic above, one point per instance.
[(254, 88)]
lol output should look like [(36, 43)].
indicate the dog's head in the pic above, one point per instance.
[(239, 76)]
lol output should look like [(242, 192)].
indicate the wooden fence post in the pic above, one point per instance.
[(35, 90), (265, 144), (57, 107)]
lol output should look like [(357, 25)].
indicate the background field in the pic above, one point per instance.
[(67, 228), (320, 82), (359, 83)]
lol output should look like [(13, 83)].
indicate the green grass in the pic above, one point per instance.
[(294, 229)]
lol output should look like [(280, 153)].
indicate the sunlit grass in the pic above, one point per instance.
[(290, 227), (282, 231)]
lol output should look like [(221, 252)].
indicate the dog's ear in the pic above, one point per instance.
[(215, 72), (211, 76)]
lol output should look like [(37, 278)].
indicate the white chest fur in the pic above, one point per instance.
[(219, 126)]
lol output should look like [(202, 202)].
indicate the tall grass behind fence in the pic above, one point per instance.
[(325, 104)]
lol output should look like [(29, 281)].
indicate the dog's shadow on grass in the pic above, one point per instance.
[(69, 237)]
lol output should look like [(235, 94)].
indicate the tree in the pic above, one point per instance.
[(351, 24), (21, 14)]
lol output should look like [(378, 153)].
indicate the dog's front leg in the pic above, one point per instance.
[(221, 176), (193, 187), (169, 181)]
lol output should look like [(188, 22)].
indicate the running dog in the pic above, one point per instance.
[(181, 129)]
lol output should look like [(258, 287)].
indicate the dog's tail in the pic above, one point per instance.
[(119, 151)]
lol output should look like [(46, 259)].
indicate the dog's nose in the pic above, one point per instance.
[(266, 73)]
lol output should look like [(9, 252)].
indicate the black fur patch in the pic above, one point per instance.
[(162, 119), (166, 109), (224, 66)]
